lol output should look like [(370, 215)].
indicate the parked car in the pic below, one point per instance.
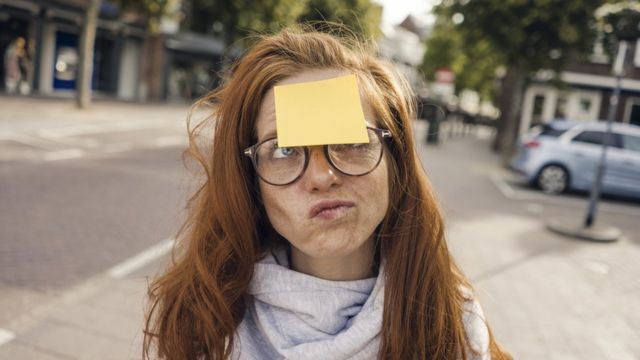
[(564, 155)]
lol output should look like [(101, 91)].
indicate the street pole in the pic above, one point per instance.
[(594, 197), (588, 230)]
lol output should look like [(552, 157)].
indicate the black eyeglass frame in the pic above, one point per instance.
[(251, 153)]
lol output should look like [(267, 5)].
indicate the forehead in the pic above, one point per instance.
[(266, 122)]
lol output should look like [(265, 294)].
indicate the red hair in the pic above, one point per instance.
[(197, 304)]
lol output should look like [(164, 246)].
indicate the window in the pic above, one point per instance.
[(597, 138), (585, 105), (634, 113), (538, 107), (561, 107), (631, 142)]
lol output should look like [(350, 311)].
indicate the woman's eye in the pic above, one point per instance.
[(284, 152)]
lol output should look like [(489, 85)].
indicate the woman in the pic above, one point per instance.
[(328, 257)]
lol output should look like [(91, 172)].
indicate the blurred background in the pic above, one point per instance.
[(517, 102)]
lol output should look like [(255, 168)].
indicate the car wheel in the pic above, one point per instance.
[(553, 179)]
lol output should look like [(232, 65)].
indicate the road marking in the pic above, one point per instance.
[(63, 154), (170, 141), (504, 188), (99, 128), (117, 147), (525, 195), (534, 208), (6, 336), (138, 261)]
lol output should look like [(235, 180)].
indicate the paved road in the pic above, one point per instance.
[(78, 195)]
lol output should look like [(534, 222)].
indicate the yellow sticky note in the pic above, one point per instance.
[(320, 112)]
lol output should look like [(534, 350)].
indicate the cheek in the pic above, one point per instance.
[(374, 192), (383, 188), (278, 205)]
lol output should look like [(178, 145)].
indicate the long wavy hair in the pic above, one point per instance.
[(197, 304)]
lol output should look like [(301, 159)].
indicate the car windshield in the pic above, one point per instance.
[(548, 130)]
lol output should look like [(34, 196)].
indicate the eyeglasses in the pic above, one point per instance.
[(284, 165)]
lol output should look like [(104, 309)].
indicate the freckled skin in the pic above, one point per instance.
[(337, 249)]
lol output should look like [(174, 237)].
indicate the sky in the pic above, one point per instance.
[(397, 10)]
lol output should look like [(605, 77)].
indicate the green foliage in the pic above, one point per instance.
[(529, 34), (361, 16), (474, 64), (153, 11), (618, 20), (236, 19)]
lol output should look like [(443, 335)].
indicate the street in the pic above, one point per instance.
[(78, 197), (82, 193)]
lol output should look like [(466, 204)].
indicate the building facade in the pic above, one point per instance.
[(586, 96), (45, 61)]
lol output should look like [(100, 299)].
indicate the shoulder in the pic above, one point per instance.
[(476, 328)]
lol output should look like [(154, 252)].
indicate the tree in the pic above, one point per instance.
[(473, 64), (87, 41), (154, 13), (527, 36), (234, 20), (363, 17)]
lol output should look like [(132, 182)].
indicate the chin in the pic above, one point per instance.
[(332, 248)]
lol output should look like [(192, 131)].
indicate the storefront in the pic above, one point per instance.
[(48, 62)]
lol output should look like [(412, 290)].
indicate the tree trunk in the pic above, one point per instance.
[(87, 41), (510, 104), (153, 67)]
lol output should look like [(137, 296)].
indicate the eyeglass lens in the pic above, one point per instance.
[(282, 165)]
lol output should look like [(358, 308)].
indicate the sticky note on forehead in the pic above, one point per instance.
[(320, 112)]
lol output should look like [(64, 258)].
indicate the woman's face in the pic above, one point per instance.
[(324, 213)]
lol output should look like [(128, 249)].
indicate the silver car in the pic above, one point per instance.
[(564, 155)]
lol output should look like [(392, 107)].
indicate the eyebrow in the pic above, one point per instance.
[(271, 134)]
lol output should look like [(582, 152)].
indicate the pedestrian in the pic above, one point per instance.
[(17, 65), (312, 252)]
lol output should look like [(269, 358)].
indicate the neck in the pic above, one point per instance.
[(356, 266)]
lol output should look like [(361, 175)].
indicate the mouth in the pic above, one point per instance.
[(328, 210)]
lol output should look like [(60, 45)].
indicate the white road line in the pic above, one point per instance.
[(32, 141), (525, 195), (137, 261), (504, 188), (6, 336), (63, 154), (101, 128), (117, 147), (534, 208), (170, 141)]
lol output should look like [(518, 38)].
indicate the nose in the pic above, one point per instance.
[(320, 175)]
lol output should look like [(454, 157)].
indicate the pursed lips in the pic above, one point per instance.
[(328, 205)]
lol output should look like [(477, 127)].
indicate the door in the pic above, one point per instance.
[(586, 148), (631, 162)]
